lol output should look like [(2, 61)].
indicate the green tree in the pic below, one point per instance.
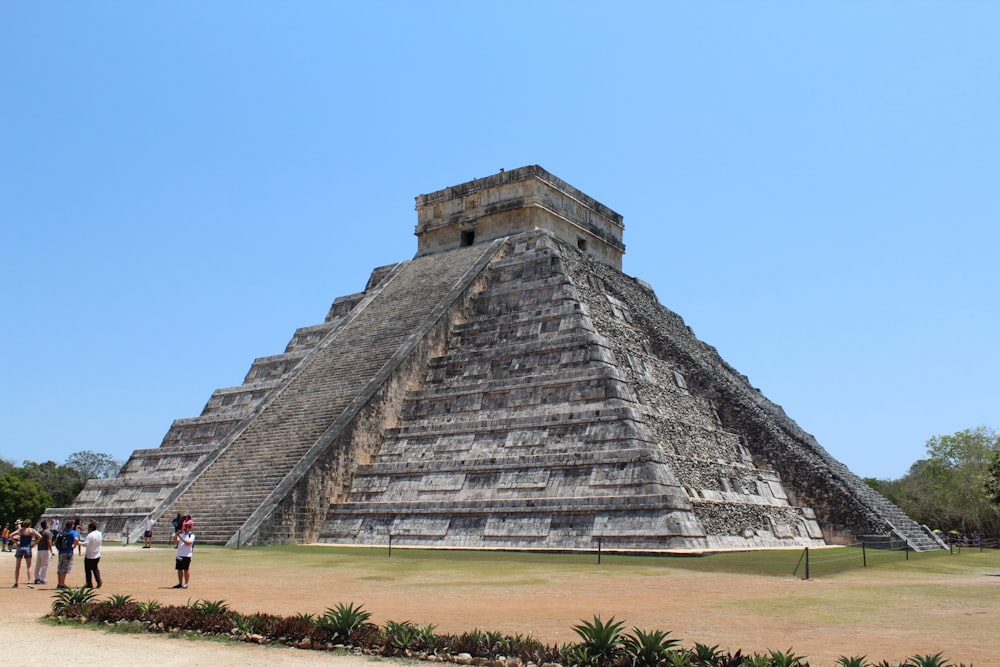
[(915, 494), (21, 498), (959, 466), (94, 465), (993, 478), (950, 489), (61, 482)]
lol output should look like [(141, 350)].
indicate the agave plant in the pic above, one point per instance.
[(119, 601), (210, 607), (756, 660), (400, 637), (706, 655), (243, 625), (601, 642), (149, 606), (786, 659), (67, 598), (492, 644), (467, 642), (681, 658), (426, 637), (936, 660), (343, 620), (734, 660), (253, 624), (853, 661), (648, 648)]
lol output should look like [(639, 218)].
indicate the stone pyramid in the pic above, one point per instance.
[(508, 387)]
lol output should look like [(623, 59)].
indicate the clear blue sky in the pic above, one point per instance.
[(813, 186)]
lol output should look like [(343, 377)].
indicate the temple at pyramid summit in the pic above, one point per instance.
[(509, 387)]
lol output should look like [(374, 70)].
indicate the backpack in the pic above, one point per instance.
[(63, 541)]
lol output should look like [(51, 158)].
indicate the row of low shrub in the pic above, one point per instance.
[(347, 627)]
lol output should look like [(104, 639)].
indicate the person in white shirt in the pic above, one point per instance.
[(184, 539), (92, 555), (147, 536)]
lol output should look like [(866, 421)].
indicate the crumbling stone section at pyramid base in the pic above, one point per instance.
[(510, 388)]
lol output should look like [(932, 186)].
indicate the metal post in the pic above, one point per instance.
[(906, 548), (598, 551), (864, 554), (807, 563), (390, 545)]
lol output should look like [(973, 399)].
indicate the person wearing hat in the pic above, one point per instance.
[(184, 539)]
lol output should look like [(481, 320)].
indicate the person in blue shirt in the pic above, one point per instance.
[(66, 553)]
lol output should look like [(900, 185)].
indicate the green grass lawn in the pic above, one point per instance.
[(484, 566)]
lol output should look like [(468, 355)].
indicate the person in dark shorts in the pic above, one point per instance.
[(66, 553), (25, 538), (184, 539), (147, 535)]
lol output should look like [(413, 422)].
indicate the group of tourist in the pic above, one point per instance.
[(26, 541), (62, 543)]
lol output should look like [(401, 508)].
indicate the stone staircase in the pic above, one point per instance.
[(528, 433), (896, 523), (263, 453), (119, 505)]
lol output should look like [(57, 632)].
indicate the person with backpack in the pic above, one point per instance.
[(66, 543)]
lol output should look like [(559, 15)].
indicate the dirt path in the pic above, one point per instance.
[(822, 619)]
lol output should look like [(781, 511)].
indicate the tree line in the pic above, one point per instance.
[(27, 490), (957, 487)]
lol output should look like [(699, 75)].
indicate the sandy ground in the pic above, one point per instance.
[(820, 618)]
